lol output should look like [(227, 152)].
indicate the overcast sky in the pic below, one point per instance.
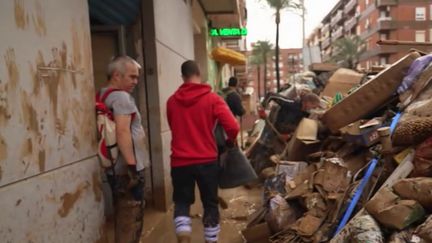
[(261, 22)]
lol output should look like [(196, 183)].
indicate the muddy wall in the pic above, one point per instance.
[(49, 175)]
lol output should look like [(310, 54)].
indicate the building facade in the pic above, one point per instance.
[(290, 63), (374, 20)]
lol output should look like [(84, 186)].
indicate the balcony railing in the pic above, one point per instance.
[(386, 23), (325, 43), (337, 34), (383, 3), (325, 28), (350, 24), (350, 6), (337, 18)]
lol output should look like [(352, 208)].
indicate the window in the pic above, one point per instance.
[(420, 14), (420, 36), (383, 60)]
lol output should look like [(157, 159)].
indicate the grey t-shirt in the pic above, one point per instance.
[(122, 103)]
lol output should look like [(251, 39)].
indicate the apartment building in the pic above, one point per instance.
[(291, 62), (373, 20)]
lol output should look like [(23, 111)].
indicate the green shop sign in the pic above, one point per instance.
[(228, 32)]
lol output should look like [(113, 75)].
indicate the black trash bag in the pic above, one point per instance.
[(236, 169)]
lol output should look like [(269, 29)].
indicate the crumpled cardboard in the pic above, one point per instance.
[(401, 215), (332, 177), (304, 140), (370, 96), (419, 189), (424, 231), (383, 199), (307, 225), (299, 191), (315, 204), (387, 208)]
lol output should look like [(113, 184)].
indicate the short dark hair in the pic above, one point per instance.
[(232, 82), (189, 69)]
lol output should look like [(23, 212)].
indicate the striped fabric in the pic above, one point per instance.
[(211, 233), (183, 224)]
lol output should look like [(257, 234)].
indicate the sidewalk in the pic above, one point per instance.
[(158, 226)]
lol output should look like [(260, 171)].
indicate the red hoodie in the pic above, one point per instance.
[(193, 112)]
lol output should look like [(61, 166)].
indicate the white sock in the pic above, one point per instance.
[(211, 233), (183, 224)]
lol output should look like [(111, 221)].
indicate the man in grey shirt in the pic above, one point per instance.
[(127, 178)]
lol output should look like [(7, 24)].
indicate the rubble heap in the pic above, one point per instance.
[(358, 171)]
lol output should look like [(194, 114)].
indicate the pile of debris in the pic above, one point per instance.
[(358, 171)]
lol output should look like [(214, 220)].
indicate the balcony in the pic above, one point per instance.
[(325, 43), (337, 18), (325, 29), (350, 6), (350, 24), (386, 23), (380, 50), (337, 34), (384, 3)]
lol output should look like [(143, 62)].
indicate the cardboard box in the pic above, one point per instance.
[(373, 94), (343, 80), (304, 141)]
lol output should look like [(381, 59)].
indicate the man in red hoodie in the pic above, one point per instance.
[(193, 112)]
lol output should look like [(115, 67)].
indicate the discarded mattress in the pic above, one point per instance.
[(370, 96)]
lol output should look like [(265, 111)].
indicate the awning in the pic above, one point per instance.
[(114, 12), (228, 56)]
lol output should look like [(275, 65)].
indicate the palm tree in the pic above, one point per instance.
[(278, 6), (261, 51), (347, 51)]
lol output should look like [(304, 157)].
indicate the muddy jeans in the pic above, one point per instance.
[(128, 206), (206, 177)]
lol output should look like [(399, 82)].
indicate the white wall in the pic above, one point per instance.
[(49, 177), (174, 45)]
